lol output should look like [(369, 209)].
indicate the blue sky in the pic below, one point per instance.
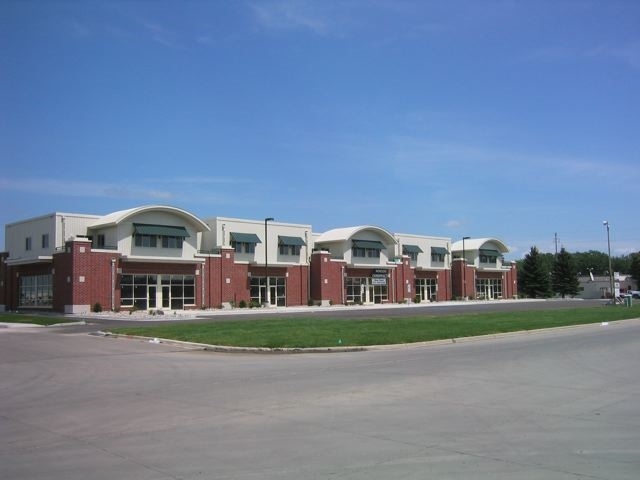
[(506, 118)]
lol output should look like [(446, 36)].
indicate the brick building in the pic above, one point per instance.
[(479, 270), (165, 258)]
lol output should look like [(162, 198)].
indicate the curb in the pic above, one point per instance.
[(36, 325), (396, 346), (230, 349)]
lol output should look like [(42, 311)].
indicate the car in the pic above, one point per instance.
[(634, 293)]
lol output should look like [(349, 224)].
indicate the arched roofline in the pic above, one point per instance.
[(348, 233), (116, 218), (478, 243)]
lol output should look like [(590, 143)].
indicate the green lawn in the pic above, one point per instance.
[(25, 318), (310, 332)]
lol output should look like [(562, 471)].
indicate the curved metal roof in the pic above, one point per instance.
[(118, 217), (347, 233), (478, 243)]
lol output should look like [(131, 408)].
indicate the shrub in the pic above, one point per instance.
[(97, 308), (242, 304)]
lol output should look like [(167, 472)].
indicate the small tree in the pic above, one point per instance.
[(565, 275), (533, 278)]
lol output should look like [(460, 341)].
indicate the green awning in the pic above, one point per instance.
[(371, 244), (291, 241), (439, 250), (245, 237), (411, 249), (490, 253), (160, 230)]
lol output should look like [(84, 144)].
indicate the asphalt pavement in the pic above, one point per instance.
[(561, 404)]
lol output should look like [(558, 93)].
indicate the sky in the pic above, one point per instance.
[(518, 120)]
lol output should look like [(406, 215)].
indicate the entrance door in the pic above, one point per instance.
[(273, 292), (151, 295), (166, 296), (489, 292)]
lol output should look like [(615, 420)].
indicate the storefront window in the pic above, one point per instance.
[(36, 291), (258, 290), (426, 289), (363, 290), (152, 291), (488, 288)]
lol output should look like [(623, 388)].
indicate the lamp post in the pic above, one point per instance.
[(464, 269), (613, 298), (267, 301)]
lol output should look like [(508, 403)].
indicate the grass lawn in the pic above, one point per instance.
[(310, 332), (25, 318)]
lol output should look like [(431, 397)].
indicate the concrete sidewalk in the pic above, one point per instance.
[(193, 314)]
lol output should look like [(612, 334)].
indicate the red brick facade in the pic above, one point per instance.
[(508, 279), (82, 277), (327, 278)]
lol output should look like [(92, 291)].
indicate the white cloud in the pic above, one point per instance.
[(76, 188), (628, 54), (204, 40), (290, 15), (79, 30), (195, 190), (453, 224)]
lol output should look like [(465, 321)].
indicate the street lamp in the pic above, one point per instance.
[(267, 301), (464, 268), (613, 298)]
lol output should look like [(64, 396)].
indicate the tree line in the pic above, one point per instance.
[(542, 275)]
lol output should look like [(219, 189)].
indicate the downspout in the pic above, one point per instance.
[(342, 273), (308, 257), (393, 285), (63, 231), (113, 284), (202, 280), (209, 281)]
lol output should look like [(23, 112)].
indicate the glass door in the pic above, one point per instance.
[(151, 295), (166, 296)]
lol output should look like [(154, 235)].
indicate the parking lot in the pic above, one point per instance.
[(562, 404)]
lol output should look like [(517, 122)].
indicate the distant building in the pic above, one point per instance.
[(599, 286), (165, 258)]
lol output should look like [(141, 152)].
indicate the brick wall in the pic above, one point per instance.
[(83, 277), (326, 278), (458, 277), (403, 281), (4, 282)]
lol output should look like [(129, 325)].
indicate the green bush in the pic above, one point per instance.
[(242, 304), (97, 308)]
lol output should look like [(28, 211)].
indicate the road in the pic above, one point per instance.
[(563, 404)]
